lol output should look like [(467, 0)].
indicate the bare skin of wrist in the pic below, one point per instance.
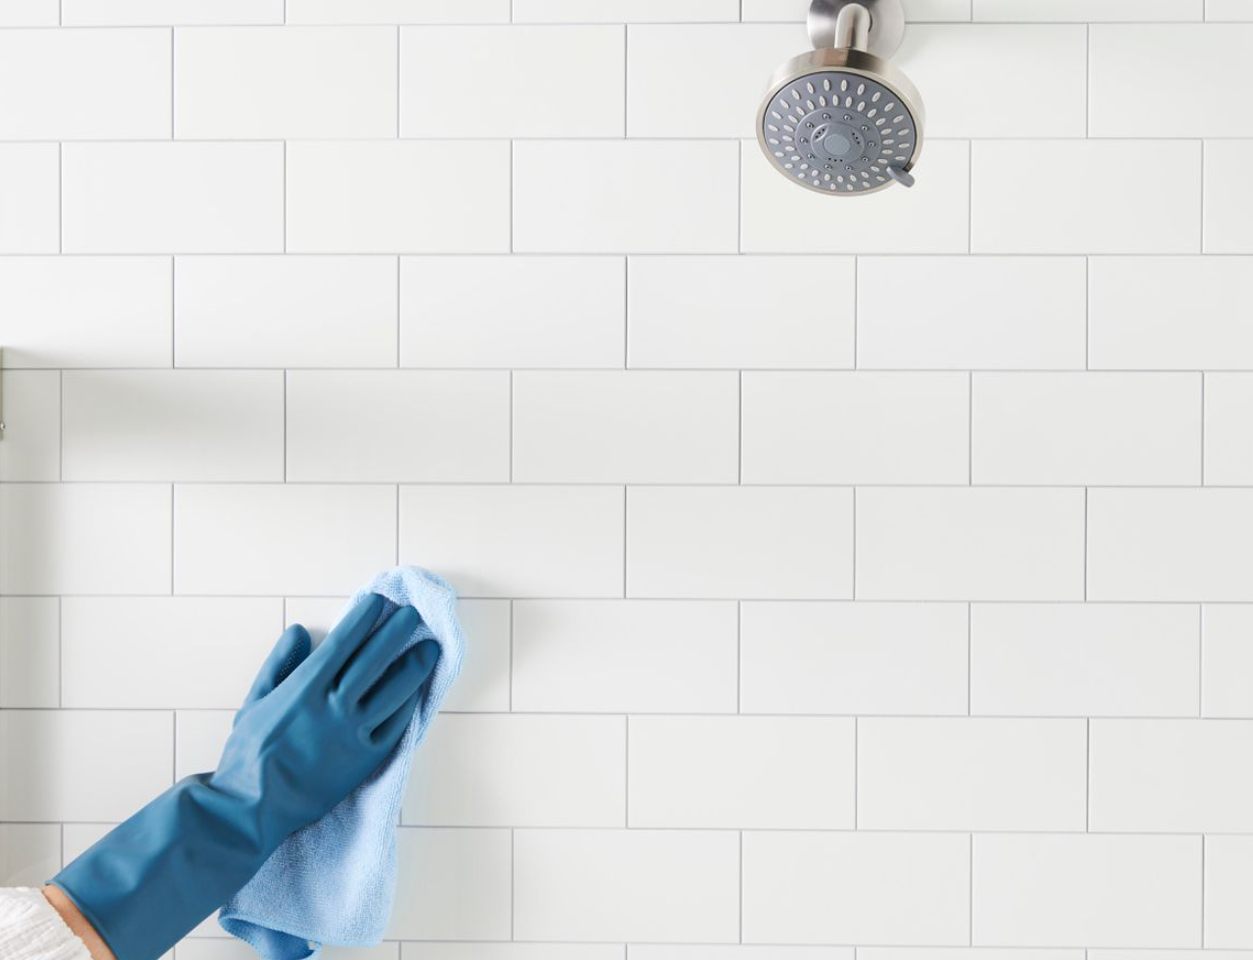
[(78, 924)]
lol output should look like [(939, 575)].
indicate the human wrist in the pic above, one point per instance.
[(79, 925)]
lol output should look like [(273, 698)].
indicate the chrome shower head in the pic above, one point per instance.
[(841, 119)]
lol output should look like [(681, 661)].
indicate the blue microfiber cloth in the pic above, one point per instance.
[(334, 881)]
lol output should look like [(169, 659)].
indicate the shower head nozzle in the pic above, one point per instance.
[(840, 119)]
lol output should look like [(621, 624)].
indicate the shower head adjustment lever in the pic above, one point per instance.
[(872, 26)]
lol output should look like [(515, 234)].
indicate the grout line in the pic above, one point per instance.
[(1087, 80), (970, 893), (741, 896)]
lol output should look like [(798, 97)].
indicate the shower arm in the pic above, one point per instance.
[(840, 25)]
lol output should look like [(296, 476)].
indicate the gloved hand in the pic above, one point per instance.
[(312, 728)]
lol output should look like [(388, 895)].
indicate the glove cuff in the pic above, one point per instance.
[(152, 879)]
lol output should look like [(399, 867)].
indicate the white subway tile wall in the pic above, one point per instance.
[(844, 580)]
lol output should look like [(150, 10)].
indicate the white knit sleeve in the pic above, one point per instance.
[(31, 930)]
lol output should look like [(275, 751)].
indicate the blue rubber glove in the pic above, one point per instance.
[(313, 727)]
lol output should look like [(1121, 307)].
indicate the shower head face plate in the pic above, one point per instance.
[(838, 132)]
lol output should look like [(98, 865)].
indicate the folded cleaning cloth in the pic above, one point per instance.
[(333, 881)]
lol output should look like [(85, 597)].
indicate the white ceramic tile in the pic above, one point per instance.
[(398, 197), (1170, 544), (971, 953), (30, 401), (84, 538), (199, 736), (291, 311), (451, 885), (1227, 661), (1101, 890), (540, 81), (855, 428), (648, 951), (651, 885), (483, 685), (1228, 193), (285, 83), (858, 658), (920, 773), (194, 197), (490, 311), (969, 544), (397, 11), (863, 888), (619, 11), (510, 951), (30, 853), (30, 197), (1229, 429), (523, 541), (1228, 10), (1126, 60), (1228, 884), (915, 10), (85, 84), (698, 311), (196, 653), (1073, 660), (504, 771), (962, 312), (1086, 428), (626, 427), (262, 539), (29, 13), (1171, 313), (206, 425), (931, 217), (602, 656), (1084, 212), (1087, 10), (176, 12), (86, 311), (740, 542), (667, 196), (1170, 776), (742, 772), (82, 764), (30, 652), (456, 425), (213, 949), (671, 70), (1040, 87)]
